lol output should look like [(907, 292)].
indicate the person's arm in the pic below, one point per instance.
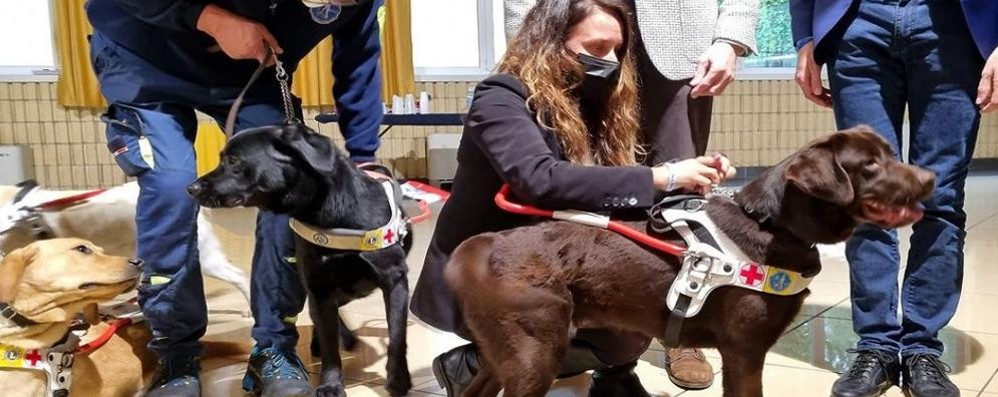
[(987, 90), (238, 37), (734, 36), (736, 24), (801, 22), (808, 75), (502, 126), (515, 11), (357, 82), (178, 15)]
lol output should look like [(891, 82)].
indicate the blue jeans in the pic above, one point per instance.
[(151, 126), (919, 54)]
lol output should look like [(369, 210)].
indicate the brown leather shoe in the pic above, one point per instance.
[(688, 368)]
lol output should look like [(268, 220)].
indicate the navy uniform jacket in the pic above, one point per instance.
[(164, 33), (502, 143)]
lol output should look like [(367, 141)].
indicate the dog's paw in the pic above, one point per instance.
[(330, 391), (398, 385)]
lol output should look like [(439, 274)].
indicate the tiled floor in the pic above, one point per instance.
[(803, 363)]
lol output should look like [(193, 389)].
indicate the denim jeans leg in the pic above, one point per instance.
[(867, 87), (944, 68)]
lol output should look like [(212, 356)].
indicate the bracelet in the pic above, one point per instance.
[(672, 178)]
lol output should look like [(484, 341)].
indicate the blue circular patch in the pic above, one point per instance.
[(779, 281), (325, 14)]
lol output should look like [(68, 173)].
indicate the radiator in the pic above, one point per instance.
[(16, 164)]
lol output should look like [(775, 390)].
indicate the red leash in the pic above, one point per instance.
[(590, 219), (105, 336), (48, 205)]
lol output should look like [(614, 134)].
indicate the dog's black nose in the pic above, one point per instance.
[(194, 189), (136, 262)]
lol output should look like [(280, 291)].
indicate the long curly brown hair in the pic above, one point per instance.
[(537, 56)]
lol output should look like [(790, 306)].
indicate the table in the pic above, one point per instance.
[(391, 120)]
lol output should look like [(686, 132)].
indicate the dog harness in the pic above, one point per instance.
[(57, 361), (711, 261), (360, 240), (19, 213)]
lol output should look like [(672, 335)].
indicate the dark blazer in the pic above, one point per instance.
[(812, 20), (503, 143)]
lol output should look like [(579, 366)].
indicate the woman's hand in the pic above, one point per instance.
[(696, 175)]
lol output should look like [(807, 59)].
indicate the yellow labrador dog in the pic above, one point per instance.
[(44, 286), (108, 220)]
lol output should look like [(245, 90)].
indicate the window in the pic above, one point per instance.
[(20, 19), (466, 47), (774, 43)]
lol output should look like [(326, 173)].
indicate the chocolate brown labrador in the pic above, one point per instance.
[(524, 291)]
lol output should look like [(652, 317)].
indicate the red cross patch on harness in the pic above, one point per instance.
[(389, 237), (32, 357), (752, 275)]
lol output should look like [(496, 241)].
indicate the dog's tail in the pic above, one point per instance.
[(469, 274)]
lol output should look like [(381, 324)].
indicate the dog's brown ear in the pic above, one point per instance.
[(11, 270), (816, 171)]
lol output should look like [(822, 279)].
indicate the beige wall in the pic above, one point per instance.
[(756, 122)]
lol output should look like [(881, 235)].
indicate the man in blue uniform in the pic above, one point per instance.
[(160, 60)]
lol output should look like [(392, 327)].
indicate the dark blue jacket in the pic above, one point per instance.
[(812, 20), (164, 32)]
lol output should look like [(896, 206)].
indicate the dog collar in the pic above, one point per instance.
[(358, 240), (7, 311)]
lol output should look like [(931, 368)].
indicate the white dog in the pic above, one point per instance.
[(107, 219)]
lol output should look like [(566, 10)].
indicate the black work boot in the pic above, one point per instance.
[(176, 377), (618, 381), (873, 372), (925, 376), (272, 372)]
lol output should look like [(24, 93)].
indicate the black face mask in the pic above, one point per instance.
[(601, 77)]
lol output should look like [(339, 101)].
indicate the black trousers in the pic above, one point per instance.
[(674, 126)]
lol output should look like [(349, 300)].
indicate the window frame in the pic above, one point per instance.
[(36, 73), (487, 19), (486, 52)]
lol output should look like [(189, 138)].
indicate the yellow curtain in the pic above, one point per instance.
[(314, 77), (396, 49), (77, 86)]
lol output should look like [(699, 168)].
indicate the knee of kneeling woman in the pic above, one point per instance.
[(615, 347)]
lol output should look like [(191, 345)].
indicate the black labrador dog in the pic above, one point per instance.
[(293, 170)]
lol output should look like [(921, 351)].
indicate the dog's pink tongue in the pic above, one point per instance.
[(904, 216), (894, 216)]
